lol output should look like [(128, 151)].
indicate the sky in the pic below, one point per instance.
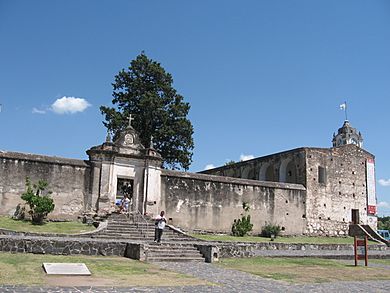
[(261, 76)]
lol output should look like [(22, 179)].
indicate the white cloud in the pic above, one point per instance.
[(69, 105), (246, 157), (38, 111), (384, 182), (383, 204), (209, 166)]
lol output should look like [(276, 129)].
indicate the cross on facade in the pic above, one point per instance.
[(151, 142), (130, 119)]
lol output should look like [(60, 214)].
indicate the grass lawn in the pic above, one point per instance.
[(380, 261), (49, 227), (305, 270), (26, 269), (280, 239)]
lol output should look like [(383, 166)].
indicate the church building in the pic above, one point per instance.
[(312, 191)]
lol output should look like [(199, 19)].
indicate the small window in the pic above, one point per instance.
[(321, 174)]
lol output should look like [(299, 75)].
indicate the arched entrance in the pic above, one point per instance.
[(288, 171), (267, 173)]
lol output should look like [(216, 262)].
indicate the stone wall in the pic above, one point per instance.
[(62, 245), (288, 166), (237, 249), (330, 202), (331, 196), (68, 180), (211, 203)]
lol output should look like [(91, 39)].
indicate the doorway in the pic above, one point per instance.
[(124, 187), (355, 216)]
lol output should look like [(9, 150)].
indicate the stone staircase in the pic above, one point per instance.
[(158, 252), (174, 246), (120, 226)]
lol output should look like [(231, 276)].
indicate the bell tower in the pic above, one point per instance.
[(347, 135)]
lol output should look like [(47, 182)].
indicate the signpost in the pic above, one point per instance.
[(361, 249)]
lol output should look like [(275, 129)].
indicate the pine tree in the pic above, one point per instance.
[(145, 90)]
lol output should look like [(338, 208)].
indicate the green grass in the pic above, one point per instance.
[(49, 227), (304, 270), (26, 269), (280, 239), (380, 261)]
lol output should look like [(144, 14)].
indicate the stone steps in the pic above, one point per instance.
[(172, 248), (167, 232), (175, 259), (169, 252), (138, 237)]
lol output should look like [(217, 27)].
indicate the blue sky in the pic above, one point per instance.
[(261, 76)]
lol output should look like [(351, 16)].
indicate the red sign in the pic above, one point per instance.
[(371, 210), (360, 248)]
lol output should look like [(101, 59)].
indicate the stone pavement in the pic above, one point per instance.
[(224, 280)]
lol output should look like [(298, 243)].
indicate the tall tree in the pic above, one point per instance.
[(145, 89)]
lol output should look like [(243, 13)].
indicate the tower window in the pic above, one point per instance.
[(321, 174)]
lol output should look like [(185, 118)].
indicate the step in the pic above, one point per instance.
[(138, 237), (150, 229), (151, 235), (167, 246), (175, 259), (122, 237), (127, 221), (172, 254), (176, 256), (175, 252)]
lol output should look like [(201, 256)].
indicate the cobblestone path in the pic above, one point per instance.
[(225, 280)]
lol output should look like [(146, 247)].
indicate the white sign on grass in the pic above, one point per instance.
[(73, 269)]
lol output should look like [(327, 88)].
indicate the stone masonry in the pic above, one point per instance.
[(313, 191)]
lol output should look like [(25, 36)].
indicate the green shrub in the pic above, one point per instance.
[(243, 226), (40, 204), (384, 223), (270, 229)]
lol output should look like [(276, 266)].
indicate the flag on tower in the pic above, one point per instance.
[(343, 106)]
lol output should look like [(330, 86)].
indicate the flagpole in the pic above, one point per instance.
[(345, 109)]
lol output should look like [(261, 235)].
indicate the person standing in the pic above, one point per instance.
[(159, 226), (124, 205)]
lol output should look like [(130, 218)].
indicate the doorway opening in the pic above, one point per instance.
[(355, 216), (124, 187)]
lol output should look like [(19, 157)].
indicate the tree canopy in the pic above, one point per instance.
[(145, 90)]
